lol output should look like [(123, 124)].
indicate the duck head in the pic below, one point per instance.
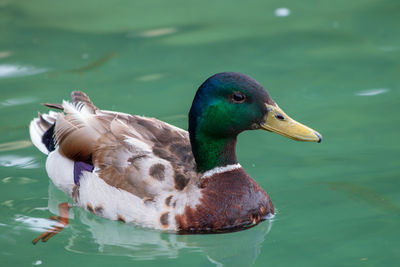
[(225, 105)]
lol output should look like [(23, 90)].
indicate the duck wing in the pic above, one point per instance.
[(141, 155)]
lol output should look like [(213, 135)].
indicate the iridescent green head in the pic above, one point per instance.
[(226, 104)]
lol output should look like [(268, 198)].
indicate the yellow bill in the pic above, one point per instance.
[(280, 123)]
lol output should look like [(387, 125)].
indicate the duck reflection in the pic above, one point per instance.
[(115, 238)]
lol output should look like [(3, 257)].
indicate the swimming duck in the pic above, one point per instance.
[(144, 171)]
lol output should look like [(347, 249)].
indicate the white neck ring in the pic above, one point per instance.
[(218, 170)]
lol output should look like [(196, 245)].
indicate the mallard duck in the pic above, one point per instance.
[(144, 171)]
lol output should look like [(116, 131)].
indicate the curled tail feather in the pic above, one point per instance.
[(79, 98)]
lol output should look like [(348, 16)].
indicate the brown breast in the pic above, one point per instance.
[(230, 201)]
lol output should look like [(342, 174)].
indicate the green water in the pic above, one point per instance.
[(333, 65)]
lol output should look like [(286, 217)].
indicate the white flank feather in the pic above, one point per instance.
[(116, 202), (61, 171)]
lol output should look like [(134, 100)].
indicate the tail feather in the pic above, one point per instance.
[(39, 127), (53, 105), (74, 132), (77, 131), (48, 138), (79, 98)]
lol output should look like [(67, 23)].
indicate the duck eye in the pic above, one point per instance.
[(238, 97), (279, 117)]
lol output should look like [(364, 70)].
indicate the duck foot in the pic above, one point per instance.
[(63, 210)]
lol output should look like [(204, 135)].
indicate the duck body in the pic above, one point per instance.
[(144, 171)]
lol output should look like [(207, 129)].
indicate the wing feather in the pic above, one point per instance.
[(143, 156)]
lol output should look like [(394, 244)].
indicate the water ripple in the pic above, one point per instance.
[(18, 161), (35, 224), (9, 70), (150, 77), (17, 101), (158, 32), (4, 54), (372, 92), (282, 12), (14, 145)]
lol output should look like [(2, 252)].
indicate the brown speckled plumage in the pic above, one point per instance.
[(168, 200), (164, 219), (98, 210), (101, 139), (90, 208), (157, 171), (121, 218)]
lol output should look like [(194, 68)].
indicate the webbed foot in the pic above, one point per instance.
[(63, 209)]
